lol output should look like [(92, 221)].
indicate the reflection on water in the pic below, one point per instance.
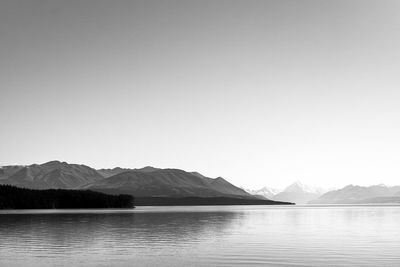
[(203, 236)]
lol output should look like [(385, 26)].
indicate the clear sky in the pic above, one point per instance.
[(262, 93)]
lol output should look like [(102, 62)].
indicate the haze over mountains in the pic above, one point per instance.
[(266, 192), (353, 194), (297, 192)]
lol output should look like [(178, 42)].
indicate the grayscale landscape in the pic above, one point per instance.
[(199, 133)]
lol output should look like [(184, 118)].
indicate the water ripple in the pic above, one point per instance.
[(203, 236)]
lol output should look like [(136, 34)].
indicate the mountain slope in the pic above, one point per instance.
[(166, 183), (298, 193), (7, 171), (356, 194), (111, 172), (53, 174), (150, 184), (266, 192), (380, 200)]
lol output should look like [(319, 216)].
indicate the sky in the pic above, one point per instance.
[(262, 93)]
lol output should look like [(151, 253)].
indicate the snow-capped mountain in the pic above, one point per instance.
[(300, 187), (266, 192), (297, 192)]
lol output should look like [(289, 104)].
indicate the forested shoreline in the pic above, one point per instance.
[(12, 197), (203, 201)]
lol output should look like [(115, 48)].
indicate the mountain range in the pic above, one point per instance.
[(150, 182), (50, 175), (354, 194), (147, 182), (297, 192), (266, 192), (165, 182), (300, 193)]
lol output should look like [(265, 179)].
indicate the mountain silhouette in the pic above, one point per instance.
[(165, 183), (148, 184), (50, 175)]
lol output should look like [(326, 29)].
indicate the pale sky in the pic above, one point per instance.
[(262, 93)]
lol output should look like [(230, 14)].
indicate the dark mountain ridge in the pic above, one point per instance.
[(166, 183), (51, 175), (149, 184)]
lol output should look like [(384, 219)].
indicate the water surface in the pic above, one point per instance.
[(203, 236)]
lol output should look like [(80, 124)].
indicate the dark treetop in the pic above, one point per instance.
[(12, 197)]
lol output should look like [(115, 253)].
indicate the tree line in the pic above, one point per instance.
[(12, 197)]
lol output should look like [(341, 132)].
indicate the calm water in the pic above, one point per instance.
[(203, 236)]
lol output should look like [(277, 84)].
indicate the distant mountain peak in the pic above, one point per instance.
[(266, 192), (298, 186)]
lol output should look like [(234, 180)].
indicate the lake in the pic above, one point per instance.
[(203, 236)]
